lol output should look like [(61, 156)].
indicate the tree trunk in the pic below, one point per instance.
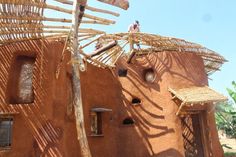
[(78, 11)]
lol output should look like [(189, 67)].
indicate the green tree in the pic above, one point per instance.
[(226, 114)]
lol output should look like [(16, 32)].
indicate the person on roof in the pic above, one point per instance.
[(134, 28)]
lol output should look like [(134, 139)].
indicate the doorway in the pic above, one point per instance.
[(192, 135)]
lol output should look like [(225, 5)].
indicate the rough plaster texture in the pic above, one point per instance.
[(46, 127)]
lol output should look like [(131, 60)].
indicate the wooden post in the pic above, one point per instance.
[(78, 11)]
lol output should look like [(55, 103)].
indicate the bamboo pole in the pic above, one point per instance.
[(104, 48), (86, 38), (65, 2), (32, 31), (90, 8), (93, 60), (179, 109), (102, 11), (87, 44), (63, 20), (56, 8), (78, 11)]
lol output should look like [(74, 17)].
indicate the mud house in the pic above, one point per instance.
[(157, 105), (136, 95)]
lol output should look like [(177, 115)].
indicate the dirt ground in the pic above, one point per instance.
[(229, 143)]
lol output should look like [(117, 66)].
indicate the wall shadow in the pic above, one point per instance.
[(45, 134)]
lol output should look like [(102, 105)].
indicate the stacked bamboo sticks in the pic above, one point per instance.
[(151, 44), (24, 19)]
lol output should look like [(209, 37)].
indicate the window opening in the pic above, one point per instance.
[(128, 121), (21, 81), (96, 120), (5, 132), (136, 101)]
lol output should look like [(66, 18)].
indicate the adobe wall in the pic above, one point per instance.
[(47, 127), (41, 128), (156, 121), (157, 130)]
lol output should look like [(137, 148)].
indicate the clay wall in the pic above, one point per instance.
[(43, 127), (46, 127)]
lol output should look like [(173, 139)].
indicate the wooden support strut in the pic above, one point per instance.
[(104, 48), (181, 106), (78, 11)]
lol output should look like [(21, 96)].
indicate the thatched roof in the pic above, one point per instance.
[(197, 95), (151, 43)]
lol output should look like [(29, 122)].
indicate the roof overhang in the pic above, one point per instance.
[(196, 95), (100, 109)]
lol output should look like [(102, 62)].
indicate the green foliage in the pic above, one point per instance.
[(226, 114), (232, 93), (229, 154)]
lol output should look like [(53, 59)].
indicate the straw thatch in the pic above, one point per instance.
[(153, 44), (197, 95)]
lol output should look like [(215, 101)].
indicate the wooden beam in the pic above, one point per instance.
[(102, 11), (63, 20), (65, 2), (104, 48), (87, 44), (78, 11), (179, 109), (55, 8)]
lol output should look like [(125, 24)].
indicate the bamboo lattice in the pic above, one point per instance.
[(151, 43), (15, 28), (26, 19)]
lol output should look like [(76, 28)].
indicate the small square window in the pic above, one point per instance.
[(96, 121), (5, 132)]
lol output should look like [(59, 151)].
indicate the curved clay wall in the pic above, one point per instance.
[(47, 126)]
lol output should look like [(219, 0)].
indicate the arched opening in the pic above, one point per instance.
[(128, 121)]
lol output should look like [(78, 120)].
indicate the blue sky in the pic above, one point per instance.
[(211, 23)]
